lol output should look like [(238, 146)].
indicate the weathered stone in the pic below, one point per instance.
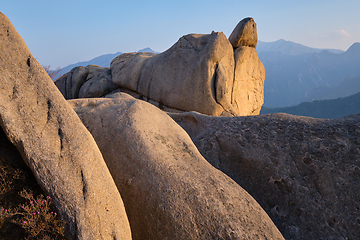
[(86, 82), (198, 73), (55, 145), (244, 34), (195, 74), (304, 172), (126, 68), (169, 190), (248, 92), (117, 93)]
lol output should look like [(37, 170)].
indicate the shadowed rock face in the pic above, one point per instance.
[(304, 172), (56, 146), (86, 82), (170, 191)]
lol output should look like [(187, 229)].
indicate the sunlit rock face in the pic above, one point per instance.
[(206, 73), (56, 146), (170, 191)]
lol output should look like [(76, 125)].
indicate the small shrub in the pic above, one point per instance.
[(24, 212), (37, 218)]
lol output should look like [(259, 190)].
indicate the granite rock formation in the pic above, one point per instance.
[(304, 172), (196, 73), (126, 69), (55, 145), (169, 190), (200, 72)]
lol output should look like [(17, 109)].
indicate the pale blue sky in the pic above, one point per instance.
[(60, 33)]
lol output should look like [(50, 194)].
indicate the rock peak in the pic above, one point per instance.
[(244, 34), (355, 48)]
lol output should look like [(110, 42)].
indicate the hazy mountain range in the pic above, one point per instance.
[(289, 48), (296, 73)]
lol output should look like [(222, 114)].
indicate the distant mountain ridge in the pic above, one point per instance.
[(102, 61), (348, 86), (295, 73), (329, 109), (290, 48)]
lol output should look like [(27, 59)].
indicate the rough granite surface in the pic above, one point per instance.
[(304, 172), (169, 190)]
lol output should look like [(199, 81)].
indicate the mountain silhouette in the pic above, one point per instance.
[(293, 77), (289, 48)]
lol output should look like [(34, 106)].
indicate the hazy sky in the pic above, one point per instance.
[(60, 33)]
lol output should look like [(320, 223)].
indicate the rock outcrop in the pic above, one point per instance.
[(200, 72), (86, 82), (304, 172), (169, 190), (196, 73), (55, 145), (248, 89)]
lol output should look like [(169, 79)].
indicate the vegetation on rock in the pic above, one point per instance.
[(25, 212)]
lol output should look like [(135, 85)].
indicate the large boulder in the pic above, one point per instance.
[(200, 72), (244, 34), (196, 73), (55, 145), (86, 82), (169, 190), (126, 69), (304, 172)]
